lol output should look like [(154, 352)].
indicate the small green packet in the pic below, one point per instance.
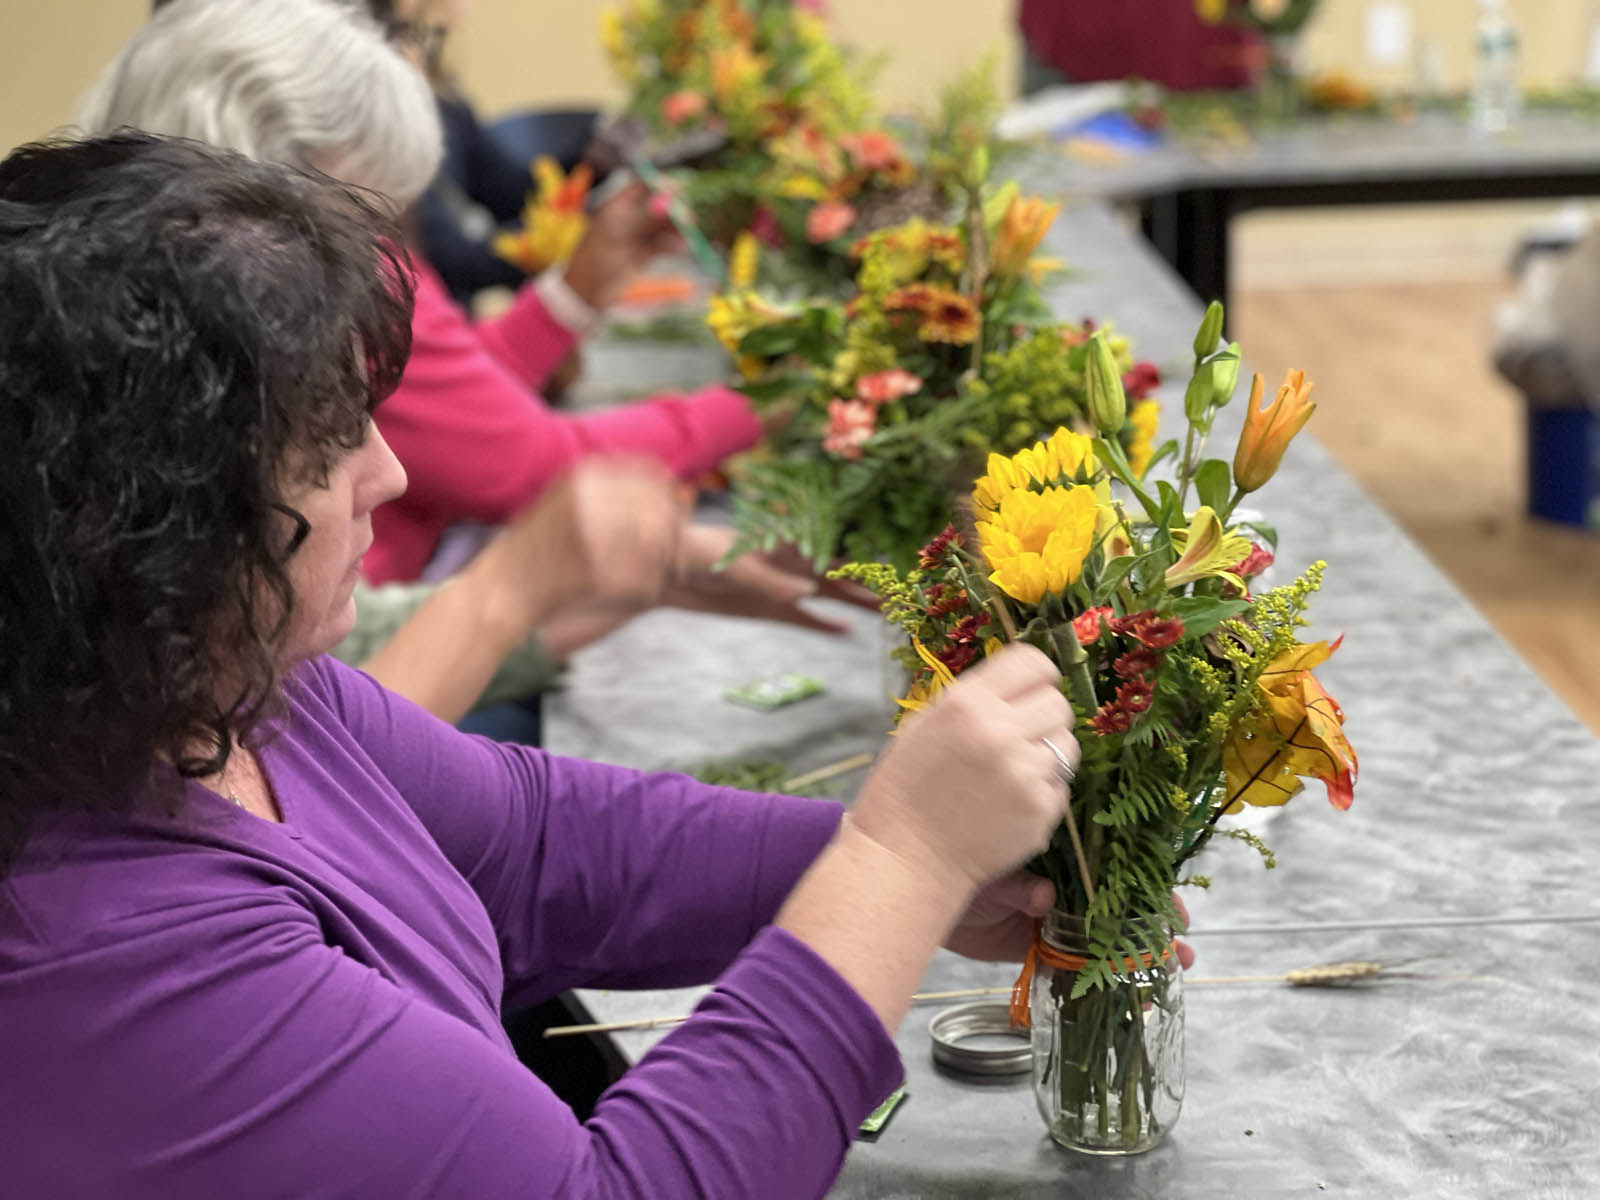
[(768, 694), (879, 1117)]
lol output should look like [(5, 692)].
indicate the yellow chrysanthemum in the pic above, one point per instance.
[(1144, 418), (922, 692), (733, 315), (801, 187), (614, 37), (810, 30), (1066, 455), (744, 260), (736, 72), (1035, 542)]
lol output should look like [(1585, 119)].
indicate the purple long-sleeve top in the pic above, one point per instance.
[(211, 1005)]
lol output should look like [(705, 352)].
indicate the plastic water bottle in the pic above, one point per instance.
[(1496, 91)]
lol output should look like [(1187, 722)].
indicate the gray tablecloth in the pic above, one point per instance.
[(1347, 149), (1477, 796)]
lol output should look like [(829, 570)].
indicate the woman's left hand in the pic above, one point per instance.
[(752, 585), (999, 924)]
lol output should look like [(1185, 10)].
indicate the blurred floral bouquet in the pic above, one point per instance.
[(1269, 16), (805, 167), (554, 219), (890, 400), (1194, 697)]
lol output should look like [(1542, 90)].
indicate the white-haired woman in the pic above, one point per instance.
[(314, 85)]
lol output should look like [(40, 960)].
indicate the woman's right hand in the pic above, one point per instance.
[(606, 535), (624, 235), (968, 789)]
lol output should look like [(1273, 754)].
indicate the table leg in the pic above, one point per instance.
[(1189, 229)]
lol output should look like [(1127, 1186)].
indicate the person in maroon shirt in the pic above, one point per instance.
[(1163, 41)]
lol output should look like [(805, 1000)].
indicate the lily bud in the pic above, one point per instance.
[(1268, 431), (1108, 402), (978, 166), (1225, 375), (1205, 341), (1197, 397)]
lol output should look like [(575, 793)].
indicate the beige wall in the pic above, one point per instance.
[(519, 52), (505, 53), (516, 51), (51, 51)]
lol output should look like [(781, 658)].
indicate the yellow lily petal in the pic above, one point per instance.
[(1206, 551)]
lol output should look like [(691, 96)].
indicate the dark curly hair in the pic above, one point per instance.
[(186, 334)]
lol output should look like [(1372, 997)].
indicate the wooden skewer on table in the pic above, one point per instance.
[(843, 767), (1329, 975)]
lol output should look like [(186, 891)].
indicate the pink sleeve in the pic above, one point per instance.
[(478, 445), (526, 339)]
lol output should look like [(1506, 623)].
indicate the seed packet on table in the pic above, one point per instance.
[(768, 694), (879, 1117)]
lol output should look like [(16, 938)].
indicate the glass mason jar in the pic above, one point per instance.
[(1108, 1069), (1282, 79)]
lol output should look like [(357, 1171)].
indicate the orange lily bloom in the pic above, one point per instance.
[(1268, 431), (1022, 228), (1298, 732)]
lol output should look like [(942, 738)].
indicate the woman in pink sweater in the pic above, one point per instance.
[(477, 440)]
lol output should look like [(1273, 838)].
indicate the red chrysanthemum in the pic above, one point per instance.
[(1155, 632), (933, 554), (1136, 663), (948, 604), (764, 225), (968, 629), (958, 658), (1135, 696), (1112, 718), (1124, 625)]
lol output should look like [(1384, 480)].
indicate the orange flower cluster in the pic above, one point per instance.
[(946, 315)]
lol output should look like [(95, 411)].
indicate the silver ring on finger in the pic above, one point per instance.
[(1063, 764)]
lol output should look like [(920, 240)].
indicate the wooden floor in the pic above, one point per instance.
[(1409, 404)]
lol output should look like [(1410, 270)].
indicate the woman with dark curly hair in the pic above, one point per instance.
[(258, 916)]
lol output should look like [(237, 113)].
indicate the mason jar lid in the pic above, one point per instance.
[(952, 1027)]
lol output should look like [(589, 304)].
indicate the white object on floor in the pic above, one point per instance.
[(1056, 107)]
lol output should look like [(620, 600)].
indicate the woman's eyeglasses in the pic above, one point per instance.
[(427, 37)]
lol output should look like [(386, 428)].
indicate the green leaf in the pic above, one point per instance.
[(776, 388), (1267, 533), (1171, 504), (1213, 482), (1168, 449), (1110, 452), (1201, 614), (773, 341), (1111, 578)]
